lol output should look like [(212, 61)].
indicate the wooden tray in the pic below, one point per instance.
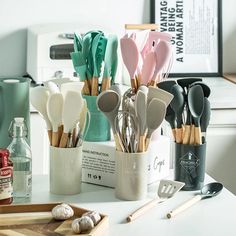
[(36, 220)]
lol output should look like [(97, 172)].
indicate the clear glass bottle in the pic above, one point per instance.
[(20, 155)]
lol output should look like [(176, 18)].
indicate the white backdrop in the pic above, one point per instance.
[(16, 16)]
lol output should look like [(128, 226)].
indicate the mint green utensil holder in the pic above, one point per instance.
[(99, 127), (14, 102)]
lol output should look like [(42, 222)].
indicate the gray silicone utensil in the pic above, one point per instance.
[(177, 104), (140, 110), (156, 111), (167, 189), (205, 118), (196, 106), (206, 89), (208, 191), (108, 102)]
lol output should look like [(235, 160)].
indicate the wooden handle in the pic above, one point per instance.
[(184, 206), (50, 136), (197, 136), (174, 133), (60, 131), (119, 147), (179, 133), (141, 26), (186, 135), (140, 211), (63, 140), (55, 140), (86, 88), (141, 144), (106, 84), (134, 85), (191, 139), (152, 83), (94, 86), (147, 143)]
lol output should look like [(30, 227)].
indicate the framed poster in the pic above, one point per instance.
[(196, 29)]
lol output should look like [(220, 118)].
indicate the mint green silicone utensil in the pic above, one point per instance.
[(77, 42), (98, 53), (81, 68), (86, 50), (110, 57)]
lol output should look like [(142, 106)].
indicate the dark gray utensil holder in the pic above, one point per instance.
[(190, 165)]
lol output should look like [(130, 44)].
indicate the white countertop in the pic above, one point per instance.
[(215, 216), (223, 93)]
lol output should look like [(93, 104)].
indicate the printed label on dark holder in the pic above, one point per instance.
[(189, 162)]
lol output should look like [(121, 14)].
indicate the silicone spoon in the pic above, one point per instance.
[(196, 106), (205, 88), (54, 110), (39, 98), (98, 52), (108, 102), (205, 118), (154, 118), (130, 56), (73, 104), (208, 191), (71, 86), (110, 57), (149, 65), (177, 104), (163, 52)]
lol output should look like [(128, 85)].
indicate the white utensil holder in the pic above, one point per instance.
[(131, 172), (65, 170)]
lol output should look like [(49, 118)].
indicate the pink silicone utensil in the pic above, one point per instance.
[(163, 55), (148, 68), (130, 56)]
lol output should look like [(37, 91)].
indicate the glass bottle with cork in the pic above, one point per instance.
[(20, 155)]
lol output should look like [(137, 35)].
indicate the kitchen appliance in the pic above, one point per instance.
[(49, 47)]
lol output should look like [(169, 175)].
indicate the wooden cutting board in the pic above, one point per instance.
[(230, 77), (36, 220)]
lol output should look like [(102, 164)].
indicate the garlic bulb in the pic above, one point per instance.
[(82, 224), (75, 226), (62, 212), (95, 216)]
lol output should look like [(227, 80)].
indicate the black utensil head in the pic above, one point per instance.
[(212, 189), (166, 85), (185, 82)]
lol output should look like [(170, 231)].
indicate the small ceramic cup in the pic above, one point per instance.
[(131, 175), (65, 170)]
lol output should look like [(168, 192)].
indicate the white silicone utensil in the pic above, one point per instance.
[(39, 98), (54, 110), (73, 104)]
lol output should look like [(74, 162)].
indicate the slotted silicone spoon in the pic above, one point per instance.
[(208, 191), (166, 190)]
